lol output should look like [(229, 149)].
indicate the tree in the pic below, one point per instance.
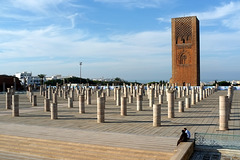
[(41, 76)]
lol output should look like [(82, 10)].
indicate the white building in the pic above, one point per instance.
[(28, 79)]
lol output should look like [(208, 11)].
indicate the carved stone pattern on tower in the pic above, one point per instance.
[(183, 57), (183, 30)]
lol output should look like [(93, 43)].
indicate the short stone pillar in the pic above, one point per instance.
[(151, 97), (100, 110), (193, 98), (50, 92), (170, 104), (160, 99), (15, 105), (139, 102), (187, 102), (114, 93), (54, 111), (123, 106), (54, 97), (108, 92), (197, 97), (118, 97), (157, 115), (88, 96), (70, 102), (180, 106), (201, 93), (46, 105), (130, 99), (179, 92), (34, 100), (8, 100), (81, 104), (134, 92), (223, 113)]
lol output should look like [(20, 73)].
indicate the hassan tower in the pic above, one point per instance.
[(185, 51)]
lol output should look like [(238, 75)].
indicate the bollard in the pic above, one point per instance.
[(139, 102), (170, 104), (34, 100), (15, 105), (46, 105), (54, 114), (130, 99), (187, 103), (70, 102), (157, 115), (81, 104), (180, 106), (160, 99), (151, 97), (123, 106), (223, 117), (8, 100), (100, 110)]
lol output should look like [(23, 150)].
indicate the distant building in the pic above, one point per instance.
[(27, 78), (9, 81)]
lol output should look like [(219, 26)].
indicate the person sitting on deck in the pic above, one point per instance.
[(188, 133), (183, 137)]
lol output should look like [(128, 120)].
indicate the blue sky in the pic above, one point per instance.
[(130, 39)]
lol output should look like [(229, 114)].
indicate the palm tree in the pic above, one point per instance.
[(41, 76)]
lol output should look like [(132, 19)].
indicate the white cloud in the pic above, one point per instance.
[(135, 3), (34, 6), (219, 12)]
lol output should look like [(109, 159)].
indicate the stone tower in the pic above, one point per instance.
[(185, 51)]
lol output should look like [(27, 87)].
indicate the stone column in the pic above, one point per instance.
[(223, 117), (134, 92), (54, 111), (88, 96), (100, 110), (179, 92), (157, 115), (34, 100), (151, 97), (108, 92), (118, 96), (193, 97), (180, 106), (130, 99), (187, 102), (115, 94), (170, 104), (55, 98), (139, 102), (81, 104), (123, 106), (8, 100), (204, 95), (160, 99), (187, 91), (201, 93), (50, 93), (46, 105), (197, 97), (15, 105), (70, 102)]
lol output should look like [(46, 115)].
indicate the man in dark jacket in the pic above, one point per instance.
[(183, 137)]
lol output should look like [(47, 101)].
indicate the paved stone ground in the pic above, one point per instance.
[(34, 122)]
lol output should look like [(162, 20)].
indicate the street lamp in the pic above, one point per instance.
[(80, 71)]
